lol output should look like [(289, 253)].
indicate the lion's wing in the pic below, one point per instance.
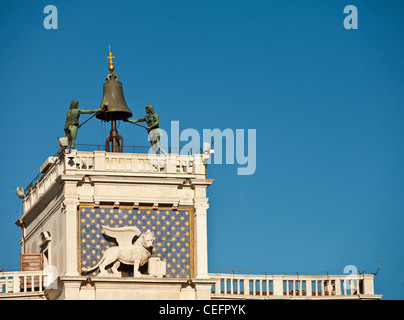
[(123, 235)]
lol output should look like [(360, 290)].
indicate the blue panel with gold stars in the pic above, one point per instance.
[(173, 235)]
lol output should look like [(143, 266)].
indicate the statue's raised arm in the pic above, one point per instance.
[(72, 121)]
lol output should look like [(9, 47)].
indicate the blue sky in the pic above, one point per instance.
[(326, 103)]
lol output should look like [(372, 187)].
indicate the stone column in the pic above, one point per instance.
[(368, 284), (201, 238), (278, 285), (70, 211), (99, 160)]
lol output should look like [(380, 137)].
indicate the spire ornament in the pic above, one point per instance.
[(110, 57)]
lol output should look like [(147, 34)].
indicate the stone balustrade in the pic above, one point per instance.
[(134, 162), (231, 286), (76, 162), (255, 287), (22, 283)]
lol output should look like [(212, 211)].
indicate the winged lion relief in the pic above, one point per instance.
[(126, 252)]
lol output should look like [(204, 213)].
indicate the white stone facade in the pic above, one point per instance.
[(114, 180), (150, 191)]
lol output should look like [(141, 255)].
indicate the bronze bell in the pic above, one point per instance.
[(113, 98), (117, 109)]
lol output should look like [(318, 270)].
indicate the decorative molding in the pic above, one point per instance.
[(201, 203), (175, 205), (70, 206)]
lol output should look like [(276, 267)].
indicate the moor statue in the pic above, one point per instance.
[(153, 129), (72, 121)]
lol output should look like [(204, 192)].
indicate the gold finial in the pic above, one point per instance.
[(110, 57)]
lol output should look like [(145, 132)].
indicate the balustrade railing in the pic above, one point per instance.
[(22, 282), (291, 286), (101, 162), (134, 162), (232, 286)]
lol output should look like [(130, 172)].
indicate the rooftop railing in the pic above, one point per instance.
[(75, 162), (22, 282), (244, 286)]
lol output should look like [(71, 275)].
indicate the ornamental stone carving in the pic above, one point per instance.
[(136, 254)]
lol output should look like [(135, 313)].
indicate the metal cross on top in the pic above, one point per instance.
[(110, 57)]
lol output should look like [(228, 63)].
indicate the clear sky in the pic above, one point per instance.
[(326, 103)]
